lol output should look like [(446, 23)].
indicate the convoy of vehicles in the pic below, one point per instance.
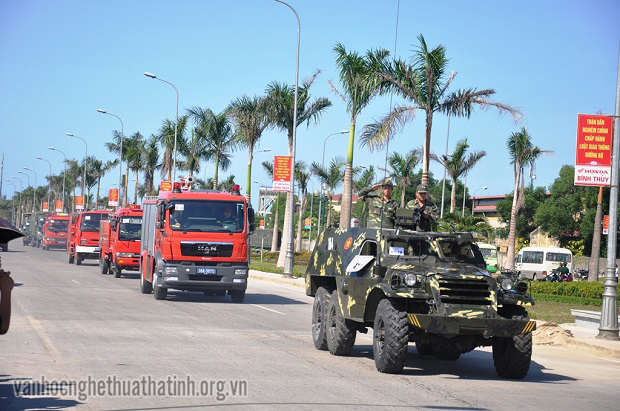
[(429, 288), (536, 262), (119, 239), (55, 231), (196, 241), (33, 228), (84, 236)]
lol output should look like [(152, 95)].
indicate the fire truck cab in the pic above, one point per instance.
[(196, 241), (120, 241), (84, 236), (55, 231)]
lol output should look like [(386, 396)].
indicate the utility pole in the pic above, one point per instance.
[(1, 174)]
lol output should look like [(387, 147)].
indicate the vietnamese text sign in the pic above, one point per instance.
[(45, 206), (593, 156), (113, 197), (59, 206), (165, 186), (79, 202), (606, 224), (307, 223), (282, 173)]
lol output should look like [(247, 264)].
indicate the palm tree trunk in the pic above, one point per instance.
[(427, 147), (347, 194), (453, 196), (285, 232), (248, 187), (135, 191), (217, 165), (276, 227), (302, 206), (402, 196), (328, 223), (512, 233)]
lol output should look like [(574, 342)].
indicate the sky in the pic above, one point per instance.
[(62, 60)]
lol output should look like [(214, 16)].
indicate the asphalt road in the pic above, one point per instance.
[(72, 323)]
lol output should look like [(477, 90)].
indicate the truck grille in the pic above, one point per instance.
[(191, 248), (464, 291), (202, 277)]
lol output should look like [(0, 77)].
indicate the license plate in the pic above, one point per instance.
[(97, 249), (205, 270)]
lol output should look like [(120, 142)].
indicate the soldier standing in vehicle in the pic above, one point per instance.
[(377, 202), (426, 208)]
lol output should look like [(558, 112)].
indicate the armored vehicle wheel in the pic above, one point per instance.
[(340, 332), (159, 292), (319, 318), (220, 293), (390, 337), (446, 353), (512, 355), (70, 258), (237, 296), (424, 348), (104, 265), (78, 260), (117, 272)]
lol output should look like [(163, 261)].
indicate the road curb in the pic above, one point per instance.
[(277, 278), (595, 348)]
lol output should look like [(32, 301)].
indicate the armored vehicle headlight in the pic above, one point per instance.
[(410, 279), (507, 284), (170, 270)]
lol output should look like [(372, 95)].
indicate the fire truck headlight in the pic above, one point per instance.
[(241, 271), (238, 280), (83, 241), (125, 255), (170, 270)]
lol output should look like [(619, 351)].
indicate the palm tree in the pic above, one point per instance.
[(98, 169), (134, 158), (359, 86), (301, 177), (458, 164), (332, 176), (150, 164), (402, 170), (73, 174), (280, 109), (166, 139), (251, 120), (522, 153), (452, 222), (423, 84), (194, 150), (217, 133), (227, 183), (365, 180), (268, 167)]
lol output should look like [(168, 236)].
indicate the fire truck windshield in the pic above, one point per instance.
[(58, 226), (208, 216), (91, 222), (130, 228)]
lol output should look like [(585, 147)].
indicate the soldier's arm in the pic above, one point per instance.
[(367, 192)]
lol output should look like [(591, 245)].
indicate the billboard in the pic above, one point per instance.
[(593, 155), (79, 202), (282, 166), (59, 206), (113, 197), (165, 186), (46, 206)]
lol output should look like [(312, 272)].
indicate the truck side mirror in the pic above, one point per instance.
[(161, 215), (251, 219)]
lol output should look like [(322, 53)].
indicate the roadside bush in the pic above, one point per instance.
[(579, 292)]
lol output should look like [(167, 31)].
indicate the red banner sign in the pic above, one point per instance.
[(282, 166), (59, 206), (165, 186), (606, 224), (79, 202), (113, 197), (46, 206), (593, 157)]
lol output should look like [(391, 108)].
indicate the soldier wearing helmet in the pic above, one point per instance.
[(381, 207), (425, 207)]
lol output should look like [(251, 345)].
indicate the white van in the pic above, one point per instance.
[(537, 262)]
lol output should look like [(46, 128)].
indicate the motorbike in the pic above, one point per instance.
[(581, 274), (553, 276)]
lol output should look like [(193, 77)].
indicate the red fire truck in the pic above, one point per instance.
[(196, 241), (120, 241), (84, 236), (55, 231)]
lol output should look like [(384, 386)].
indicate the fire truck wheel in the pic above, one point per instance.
[(70, 258), (145, 286), (117, 272), (237, 296), (78, 260), (104, 265), (159, 292)]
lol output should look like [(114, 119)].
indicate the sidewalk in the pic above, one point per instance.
[(546, 333)]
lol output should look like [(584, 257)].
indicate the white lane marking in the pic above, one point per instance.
[(75, 281), (268, 309)]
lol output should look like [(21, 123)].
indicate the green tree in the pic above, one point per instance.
[(166, 139), (402, 167), (135, 160), (359, 87), (301, 178), (457, 222), (268, 168), (522, 153), (458, 164), (534, 198), (424, 83), (150, 164)]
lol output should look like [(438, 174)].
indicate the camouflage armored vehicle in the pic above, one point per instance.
[(430, 288)]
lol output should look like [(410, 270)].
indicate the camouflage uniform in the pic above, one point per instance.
[(425, 224), (374, 201)]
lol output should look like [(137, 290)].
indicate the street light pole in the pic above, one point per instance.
[(290, 256), (176, 125), (84, 173), (474, 197), (120, 157), (34, 191), (48, 182), (21, 211), (323, 167), (64, 175)]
